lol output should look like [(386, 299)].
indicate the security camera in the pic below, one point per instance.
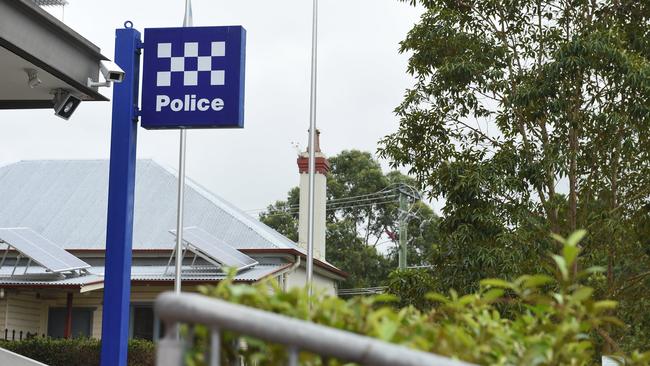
[(65, 103), (111, 71), (32, 78)]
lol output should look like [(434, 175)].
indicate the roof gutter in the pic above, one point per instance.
[(288, 271), (339, 274)]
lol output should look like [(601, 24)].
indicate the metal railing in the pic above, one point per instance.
[(297, 335), (17, 335), (361, 291)]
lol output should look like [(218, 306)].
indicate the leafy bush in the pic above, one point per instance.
[(77, 351), (411, 286), (550, 321)]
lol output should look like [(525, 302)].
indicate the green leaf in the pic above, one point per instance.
[(493, 294), (575, 238), (386, 298), (613, 320), (605, 305), (581, 294), (595, 269), (558, 238), (437, 297), (387, 329), (495, 282), (561, 266), (536, 280), (570, 252), (467, 299)]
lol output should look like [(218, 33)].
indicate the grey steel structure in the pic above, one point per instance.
[(31, 38), (312, 145), (297, 335), (214, 250), (187, 22), (40, 250)]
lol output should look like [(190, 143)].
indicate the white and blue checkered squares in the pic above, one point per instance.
[(191, 64)]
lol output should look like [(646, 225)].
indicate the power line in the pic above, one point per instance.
[(362, 200), (290, 212), (364, 197), (361, 205), (383, 191)]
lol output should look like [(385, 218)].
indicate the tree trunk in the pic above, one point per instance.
[(573, 178)]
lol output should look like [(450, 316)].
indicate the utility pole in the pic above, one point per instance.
[(403, 224)]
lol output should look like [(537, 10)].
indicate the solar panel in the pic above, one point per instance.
[(202, 243), (41, 250)]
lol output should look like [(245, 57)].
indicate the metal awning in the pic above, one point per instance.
[(94, 280), (32, 39)]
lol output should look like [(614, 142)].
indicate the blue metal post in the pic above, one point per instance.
[(119, 229)]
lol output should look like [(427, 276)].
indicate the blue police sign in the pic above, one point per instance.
[(193, 77)]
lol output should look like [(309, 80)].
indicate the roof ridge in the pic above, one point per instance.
[(91, 175), (228, 208)]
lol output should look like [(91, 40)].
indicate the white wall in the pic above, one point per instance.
[(320, 202), (27, 311), (23, 313), (321, 283), (92, 299), (3, 314)]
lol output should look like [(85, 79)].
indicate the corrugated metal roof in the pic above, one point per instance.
[(138, 273), (66, 201), (74, 281)]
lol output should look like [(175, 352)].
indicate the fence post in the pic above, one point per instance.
[(170, 349)]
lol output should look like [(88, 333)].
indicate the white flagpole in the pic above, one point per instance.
[(187, 22), (312, 147)]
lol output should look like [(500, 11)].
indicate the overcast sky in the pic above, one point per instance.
[(361, 75)]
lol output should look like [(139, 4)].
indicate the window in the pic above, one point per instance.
[(82, 322), (142, 322)]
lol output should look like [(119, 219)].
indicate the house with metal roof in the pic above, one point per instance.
[(53, 232)]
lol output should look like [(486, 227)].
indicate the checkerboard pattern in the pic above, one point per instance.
[(191, 64)]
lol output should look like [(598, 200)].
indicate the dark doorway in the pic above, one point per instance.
[(82, 322), (143, 322)]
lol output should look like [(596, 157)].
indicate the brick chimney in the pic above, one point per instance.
[(320, 199)]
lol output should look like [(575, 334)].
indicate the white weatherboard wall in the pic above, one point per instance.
[(90, 300), (3, 314), (33, 317), (24, 311), (298, 278)]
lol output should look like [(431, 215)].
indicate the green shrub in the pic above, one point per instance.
[(411, 286), (77, 351), (552, 320)]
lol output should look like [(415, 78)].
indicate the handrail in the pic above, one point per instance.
[(294, 333)]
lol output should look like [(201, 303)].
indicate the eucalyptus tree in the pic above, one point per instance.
[(530, 117), (362, 219)]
